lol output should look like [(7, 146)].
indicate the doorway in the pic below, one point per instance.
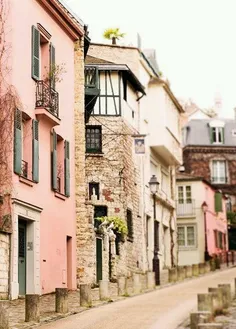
[(69, 261), (22, 257)]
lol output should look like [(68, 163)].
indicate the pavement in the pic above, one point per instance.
[(165, 308)]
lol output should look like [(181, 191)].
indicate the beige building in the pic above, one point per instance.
[(132, 134)]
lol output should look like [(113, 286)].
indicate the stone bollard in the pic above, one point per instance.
[(61, 300), (210, 326), (212, 264), (173, 274), (4, 315), (32, 308), (85, 295), (205, 302), (136, 283), (207, 267), (151, 280), (217, 296), (195, 268), (104, 290), (181, 273), (201, 268), (189, 271), (226, 289), (199, 317), (217, 262), (122, 286)]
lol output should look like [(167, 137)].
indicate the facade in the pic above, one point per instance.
[(132, 134), (38, 228), (201, 220)]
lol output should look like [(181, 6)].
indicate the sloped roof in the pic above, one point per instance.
[(95, 60)]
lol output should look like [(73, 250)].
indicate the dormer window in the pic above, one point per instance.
[(217, 135)]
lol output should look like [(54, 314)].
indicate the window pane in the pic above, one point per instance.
[(93, 139), (188, 194), (181, 194), (214, 135), (181, 236), (190, 236)]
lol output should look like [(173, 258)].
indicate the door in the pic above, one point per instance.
[(99, 258), (22, 257), (69, 261)]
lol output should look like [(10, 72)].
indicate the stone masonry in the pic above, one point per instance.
[(4, 264)]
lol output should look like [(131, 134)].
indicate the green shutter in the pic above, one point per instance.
[(211, 135), (52, 66), (35, 151), (67, 168), (223, 135), (218, 202), (17, 141), (35, 53), (54, 161)]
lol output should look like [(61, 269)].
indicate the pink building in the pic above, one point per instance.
[(41, 234), (201, 220)]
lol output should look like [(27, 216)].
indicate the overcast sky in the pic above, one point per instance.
[(195, 41)]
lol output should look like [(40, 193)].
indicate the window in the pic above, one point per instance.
[(93, 139), (125, 89), (187, 236), (184, 194), (93, 190), (99, 211), (217, 135), (219, 239), (219, 172), (130, 225)]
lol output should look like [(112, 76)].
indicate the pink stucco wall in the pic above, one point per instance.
[(214, 221), (57, 220)]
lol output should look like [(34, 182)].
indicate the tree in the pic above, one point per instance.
[(113, 34)]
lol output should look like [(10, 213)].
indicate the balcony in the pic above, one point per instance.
[(186, 208), (91, 84), (47, 102), (166, 145)]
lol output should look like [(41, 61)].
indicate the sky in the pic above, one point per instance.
[(195, 41)]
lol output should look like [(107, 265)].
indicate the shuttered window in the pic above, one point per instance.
[(218, 202), (17, 141), (54, 161), (35, 150), (67, 168), (52, 66), (35, 53)]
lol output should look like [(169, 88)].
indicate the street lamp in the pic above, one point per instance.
[(154, 185), (205, 209)]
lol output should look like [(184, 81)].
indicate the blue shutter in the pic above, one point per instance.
[(54, 161), (35, 150), (17, 141), (52, 66), (67, 168), (35, 53)]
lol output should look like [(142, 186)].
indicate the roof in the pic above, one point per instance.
[(95, 60), (198, 133)]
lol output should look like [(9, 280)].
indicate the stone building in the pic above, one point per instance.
[(132, 133)]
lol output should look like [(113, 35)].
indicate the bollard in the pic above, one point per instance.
[(212, 264), (217, 262), (226, 288), (207, 267), (210, 326), (189, 271), (61, 300), (136, 283), (104, 290), (4, 315), (173, 274), (217, 295), (199, 317), (205, 302), (32, 308), (151, 280), (122, 286), (195, 268), (201, 268), (85, 295), (180, 273)]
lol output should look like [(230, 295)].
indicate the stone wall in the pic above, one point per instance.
[(117, 172), (4, 264)]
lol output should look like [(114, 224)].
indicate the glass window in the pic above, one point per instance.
[(187, 236), (184, 194), (181, 236), (93, 139), (181, 194), (219, 171), (217, 135), (190, 236)]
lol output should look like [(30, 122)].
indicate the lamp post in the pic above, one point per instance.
[(205, 209), (154, 185)]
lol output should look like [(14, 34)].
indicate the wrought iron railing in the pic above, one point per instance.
[(219, 180), (24, 169), (47, 97), (91, 77), (185, 207)]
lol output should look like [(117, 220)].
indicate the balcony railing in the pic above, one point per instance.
[(185, 208), (219, 180), (24, 169), (91, 77), (47, 98)]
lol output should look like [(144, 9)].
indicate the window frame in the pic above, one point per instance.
[(94, 150), (185, 199), (218, 132), (97, 189), (186, 245), (217, 179)]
